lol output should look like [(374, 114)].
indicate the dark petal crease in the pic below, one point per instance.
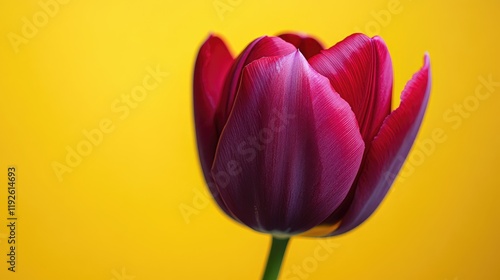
[(307, 45)]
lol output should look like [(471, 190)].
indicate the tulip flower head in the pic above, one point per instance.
[(295, 139)]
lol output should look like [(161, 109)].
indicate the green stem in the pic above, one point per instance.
[(275, 258)]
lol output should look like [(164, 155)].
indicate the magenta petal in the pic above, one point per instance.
[(360, 70), (308, 46), (389, 150), (260, 47), (212, 65), (290, 149)]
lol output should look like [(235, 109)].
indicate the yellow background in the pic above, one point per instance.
[(117, 215)]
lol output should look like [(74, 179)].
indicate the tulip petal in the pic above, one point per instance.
[(212, 65), (290, 149), (308, 46), (389, 150), (360, 70), (260, 47)]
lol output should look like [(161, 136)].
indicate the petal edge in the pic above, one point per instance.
[(212, 65), (389, 149)]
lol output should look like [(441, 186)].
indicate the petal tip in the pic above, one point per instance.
[(427, 59), (378, 39), (212, 36)]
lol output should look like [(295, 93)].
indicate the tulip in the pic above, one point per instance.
[(295, 139)]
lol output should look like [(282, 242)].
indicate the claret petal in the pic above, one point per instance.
[(290, 150)]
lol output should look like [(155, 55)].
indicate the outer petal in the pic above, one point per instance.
[(212, 65), (360, 70), (290, 149), (389, 149), (260, 47), (308, 46)]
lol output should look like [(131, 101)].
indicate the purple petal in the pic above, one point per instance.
[(290, 149), (212, 65), (389, 150), (360, 70), (260, 47)]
